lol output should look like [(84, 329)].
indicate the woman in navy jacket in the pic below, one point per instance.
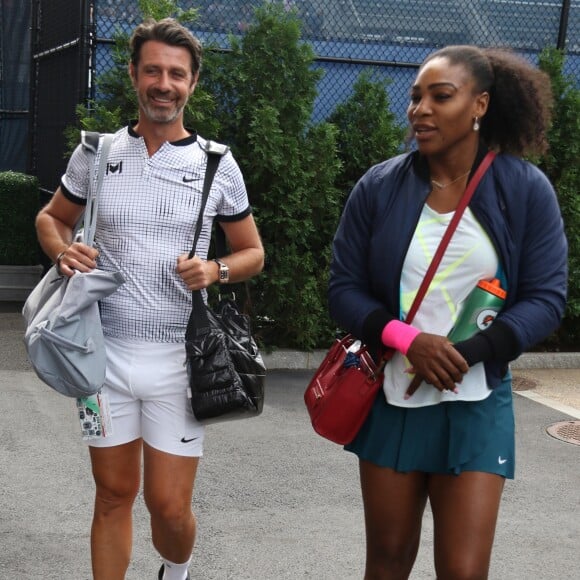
[(443, 430)]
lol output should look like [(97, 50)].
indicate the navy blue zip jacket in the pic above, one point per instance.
[(517, 207)]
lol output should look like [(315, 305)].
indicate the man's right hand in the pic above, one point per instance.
[(78, 257)]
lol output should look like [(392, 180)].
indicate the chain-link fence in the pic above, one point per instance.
[(72, 44), (391, 37)]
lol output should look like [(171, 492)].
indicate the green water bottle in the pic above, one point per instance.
[(479, 310)]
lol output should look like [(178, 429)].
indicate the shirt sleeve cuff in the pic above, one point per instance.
[(71, 196)]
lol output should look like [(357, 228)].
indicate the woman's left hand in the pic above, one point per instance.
[(435, 361)]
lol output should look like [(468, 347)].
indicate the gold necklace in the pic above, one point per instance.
[(440, 185)]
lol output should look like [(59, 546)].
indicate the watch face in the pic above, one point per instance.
[(224, 272)]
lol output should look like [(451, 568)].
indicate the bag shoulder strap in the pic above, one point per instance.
[(465, 199), (215, 151), (214, 148), (90, 140), (463, 202)]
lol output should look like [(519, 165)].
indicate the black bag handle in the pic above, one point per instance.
[(198, 318), (215, 151)]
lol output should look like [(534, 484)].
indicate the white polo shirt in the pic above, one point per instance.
[(147, 213)]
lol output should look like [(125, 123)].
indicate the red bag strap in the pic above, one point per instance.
[(464, 201)]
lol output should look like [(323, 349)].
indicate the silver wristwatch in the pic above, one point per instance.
[(224, 272)]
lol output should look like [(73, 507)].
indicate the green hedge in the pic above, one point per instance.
[(19, 202), (562, 165), (258, 98)]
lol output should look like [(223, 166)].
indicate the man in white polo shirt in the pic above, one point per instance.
[(148, 208)]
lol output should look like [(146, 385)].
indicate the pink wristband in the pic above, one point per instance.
[(399, 335)]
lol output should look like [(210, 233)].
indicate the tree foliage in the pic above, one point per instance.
[(368, 130), (267, 88), (258, 98), (562, 166)]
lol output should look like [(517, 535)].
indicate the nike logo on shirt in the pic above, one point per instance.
[(184, 440), (501, 461), (190, 179)]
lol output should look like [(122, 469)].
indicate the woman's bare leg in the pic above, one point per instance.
[(393, 504), (465, 510)]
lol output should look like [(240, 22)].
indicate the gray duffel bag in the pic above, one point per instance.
[(64, 337)]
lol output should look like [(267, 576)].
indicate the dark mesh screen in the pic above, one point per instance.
[(14, 84), (60, 78)]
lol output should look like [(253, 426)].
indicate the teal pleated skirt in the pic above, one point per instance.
[(447, 438)]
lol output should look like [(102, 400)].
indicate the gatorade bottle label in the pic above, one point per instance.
[(485, 318), (479, 310)]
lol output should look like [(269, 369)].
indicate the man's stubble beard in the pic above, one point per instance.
[(153, 114)]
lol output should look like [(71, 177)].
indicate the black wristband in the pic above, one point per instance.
[(372, 329), (498, 342)]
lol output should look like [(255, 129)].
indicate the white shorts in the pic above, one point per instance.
[(147, 388)]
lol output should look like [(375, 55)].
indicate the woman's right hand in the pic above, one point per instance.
[(435, 361), (78, 257)]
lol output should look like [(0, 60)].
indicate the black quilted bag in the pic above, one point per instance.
[(226, 370)]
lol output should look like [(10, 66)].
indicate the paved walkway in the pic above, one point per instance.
[(274, 501)]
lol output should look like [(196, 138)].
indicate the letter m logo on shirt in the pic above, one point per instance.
[(115, 167)]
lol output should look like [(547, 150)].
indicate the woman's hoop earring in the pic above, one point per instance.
[(476, 124)]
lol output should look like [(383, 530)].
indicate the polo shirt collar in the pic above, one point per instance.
[(180, 143)]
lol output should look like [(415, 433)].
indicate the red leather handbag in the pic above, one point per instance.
[(344, 387), (343, 390)]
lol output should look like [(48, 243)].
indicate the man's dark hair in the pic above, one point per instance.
[(170, 32)]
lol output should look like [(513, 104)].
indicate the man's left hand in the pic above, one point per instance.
[(195, 272)]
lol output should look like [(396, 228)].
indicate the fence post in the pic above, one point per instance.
[(563, 30), (33, 88)]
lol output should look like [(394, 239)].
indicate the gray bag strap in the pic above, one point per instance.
[(90, 141)]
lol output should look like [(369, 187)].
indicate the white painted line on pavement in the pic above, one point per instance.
[(567, 409)]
